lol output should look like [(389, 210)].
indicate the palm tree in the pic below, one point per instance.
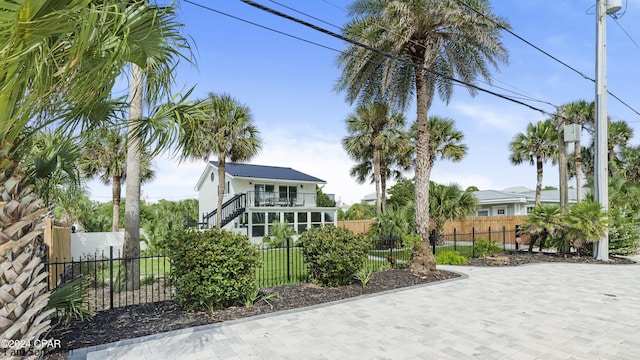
[(449, 203), (542, 222), (536, 146), (153, 52), (586, 222), (226, 128), (105, 157), (59, 59), (581, 113), (51, 161), (629, 163), (446, 141), (375, 139), (619, 135), (416, 42)]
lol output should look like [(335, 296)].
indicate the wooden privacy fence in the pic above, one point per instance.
[(58, 241), (481, 224), (357, 226)]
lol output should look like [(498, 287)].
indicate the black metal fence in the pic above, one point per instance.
[(107, 273), (106, 278), (466, 242)]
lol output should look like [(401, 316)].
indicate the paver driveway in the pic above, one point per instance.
[(541, 311)]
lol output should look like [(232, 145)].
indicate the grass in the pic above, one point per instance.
[(150, 267), (274, 267)]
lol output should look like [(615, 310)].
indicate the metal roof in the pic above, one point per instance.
[(267, 172)]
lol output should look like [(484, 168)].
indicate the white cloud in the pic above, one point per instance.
[(492, 117)]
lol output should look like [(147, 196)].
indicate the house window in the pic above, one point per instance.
[(316, 219), (302, 222), (258, 224), (328, 217), (227, 189), (287, 195), (501, 211), (483, 212), (529, 209)]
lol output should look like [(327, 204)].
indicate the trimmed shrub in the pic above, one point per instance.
[(484, 248), (212, 269), (333, 254), (450, 258)]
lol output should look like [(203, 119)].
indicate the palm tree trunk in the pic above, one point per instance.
[(383, 190), (116, 193), (376, 177), (422, 260), (539, 179), (576, 150), (132, 206), (221, 186)]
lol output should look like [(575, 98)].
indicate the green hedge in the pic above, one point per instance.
[(333, 254), (212, 269)]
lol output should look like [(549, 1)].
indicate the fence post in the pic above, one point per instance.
[(489, 234), (473, 242), (504, 238), (433, 239), (288, 269), (111, 277), (455, 239)]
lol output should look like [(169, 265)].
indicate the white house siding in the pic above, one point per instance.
[(206, 202)]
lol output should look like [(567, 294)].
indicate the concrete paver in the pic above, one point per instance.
[(541, 311)]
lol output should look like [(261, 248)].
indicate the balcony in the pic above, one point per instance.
[(280, 199)]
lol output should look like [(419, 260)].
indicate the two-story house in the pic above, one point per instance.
[(255, 196)]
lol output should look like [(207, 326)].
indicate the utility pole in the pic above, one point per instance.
[(601, 250)]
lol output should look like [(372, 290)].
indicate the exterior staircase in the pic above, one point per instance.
[(231, 209)]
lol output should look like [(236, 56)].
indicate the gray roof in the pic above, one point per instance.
[(494, 196), (267, 172)]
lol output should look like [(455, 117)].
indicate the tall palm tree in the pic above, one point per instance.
[(225, 128), (536, 146), (59, 58), (373, 139), (105, 157), (418, 41), (153, 53), (582, 113)]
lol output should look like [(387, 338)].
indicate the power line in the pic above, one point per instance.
[(626, 33), (546, 53), (385, 54), (521, 94), (260, 26)]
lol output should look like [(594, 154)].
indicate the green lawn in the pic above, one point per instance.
[(274, 267), (100, 271)]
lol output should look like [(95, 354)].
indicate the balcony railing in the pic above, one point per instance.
[(274, 198)]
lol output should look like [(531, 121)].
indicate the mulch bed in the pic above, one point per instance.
[(147, 319)]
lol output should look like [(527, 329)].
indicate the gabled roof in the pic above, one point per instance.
[(267, 172)]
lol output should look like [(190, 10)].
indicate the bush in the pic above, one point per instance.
[(623, 235), (483, 248), (212, 269), (450, 258), (333, 254)]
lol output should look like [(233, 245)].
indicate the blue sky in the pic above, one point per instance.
[(288, 84)]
